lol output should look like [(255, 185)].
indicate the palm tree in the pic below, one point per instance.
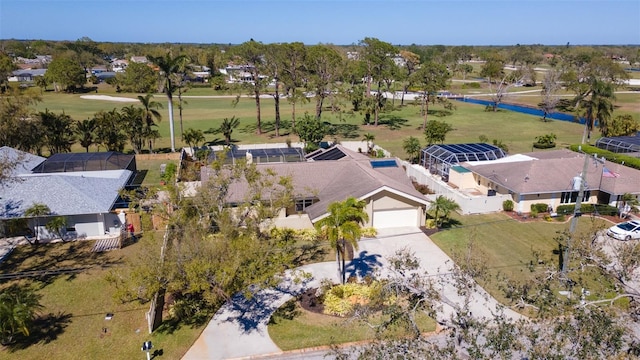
[(411, 146), (85, 130), (37, 210), (169, 66), (18, 306), (150, 113), (227, 126), (369, 137), (342, 226), (443, 206), (193, 137), (596, 104)]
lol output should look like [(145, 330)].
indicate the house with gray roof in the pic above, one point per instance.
[(391, 200), (546, 177), (87, 199)]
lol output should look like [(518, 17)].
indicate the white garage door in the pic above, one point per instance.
[(395, 218)]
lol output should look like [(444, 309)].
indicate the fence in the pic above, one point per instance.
[(469, 204)]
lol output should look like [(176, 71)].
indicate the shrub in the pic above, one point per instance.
[(507, 205), (422, 189), (611, 156), (369, 232), (539, 207), (534, 213), (430, 224), (471, 85), (560, 218), (601, 209), (340, 299)]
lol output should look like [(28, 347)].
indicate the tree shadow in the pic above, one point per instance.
[(439, 113), (45, 329), (450, 223), (363, 265), (218, 142), (46, 262), (349, 131), (393, 122), (310, 253)]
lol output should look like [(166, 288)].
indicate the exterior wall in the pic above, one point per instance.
[(524, 202), (469, 204), (462, 180), (87, 225)]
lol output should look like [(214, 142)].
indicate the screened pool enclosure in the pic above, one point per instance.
[(438, 159)]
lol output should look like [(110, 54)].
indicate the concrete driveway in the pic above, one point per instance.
[(239, 328)]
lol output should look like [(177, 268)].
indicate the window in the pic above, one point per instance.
[(568, 197), (302, 204)]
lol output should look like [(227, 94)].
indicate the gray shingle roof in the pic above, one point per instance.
[(27, 161), (64, 193)]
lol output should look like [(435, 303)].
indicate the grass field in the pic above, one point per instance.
[(508, 246), (517, 131), (73, 325), (295, 328)]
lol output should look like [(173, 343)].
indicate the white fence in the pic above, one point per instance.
[(469, 204)]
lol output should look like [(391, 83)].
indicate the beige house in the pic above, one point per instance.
[(338, 173), (546, 177)]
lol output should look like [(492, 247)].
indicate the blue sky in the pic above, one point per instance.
[(342, 22)]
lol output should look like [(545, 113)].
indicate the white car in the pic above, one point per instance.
[(625, 231)]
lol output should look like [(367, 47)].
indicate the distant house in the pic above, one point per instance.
[(139, 59), (119, 65), (336, 173), (82, 187), (26, 75)]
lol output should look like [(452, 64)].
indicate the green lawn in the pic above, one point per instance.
[(72, 324), (517, 131), (508, 246), (294, 328)]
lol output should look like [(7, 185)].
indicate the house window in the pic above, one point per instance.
[(302, 204), (568, 197)]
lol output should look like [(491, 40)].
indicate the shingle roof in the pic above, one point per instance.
[(553, 171), (64, 193), (335, 180), (26, 160)]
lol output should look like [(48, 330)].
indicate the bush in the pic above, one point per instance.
[(610, 156), (544, 146), (369, 232), (341, 299), (539, 207), (601, 209), (534, 213), (422, 189), (507, 205), (560, 218)]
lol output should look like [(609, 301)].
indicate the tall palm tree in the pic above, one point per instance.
[(150, 114), (37, 210), (596, 104), (169, 66), (343, 226), (85, 130), (444, 206)]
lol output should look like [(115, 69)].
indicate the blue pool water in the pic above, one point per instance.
[(525, 110)]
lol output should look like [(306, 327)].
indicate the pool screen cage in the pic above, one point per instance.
[(259, 156), (438, 159), (630, 145), (90, 161)]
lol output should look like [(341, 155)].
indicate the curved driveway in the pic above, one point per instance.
[(239, 328)]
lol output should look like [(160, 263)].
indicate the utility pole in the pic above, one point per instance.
[(581, 186)]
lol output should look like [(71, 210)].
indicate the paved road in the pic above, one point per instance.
[(239, 329)]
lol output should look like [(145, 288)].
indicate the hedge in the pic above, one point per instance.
[(610, 156), (539, 207), (602, 209)]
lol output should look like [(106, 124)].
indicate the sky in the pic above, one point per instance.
[(340, 22)]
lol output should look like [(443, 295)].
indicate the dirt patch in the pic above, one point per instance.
[(310, 302)]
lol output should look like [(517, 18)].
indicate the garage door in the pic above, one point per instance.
[(395, 218)]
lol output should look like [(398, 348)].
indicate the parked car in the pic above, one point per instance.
[(625, 231)]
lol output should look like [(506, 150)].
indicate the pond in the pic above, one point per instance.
[(525, 110)]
